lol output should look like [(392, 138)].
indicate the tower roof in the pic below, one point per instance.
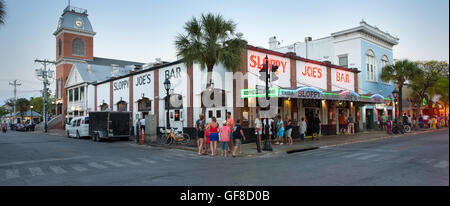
[(74, 19)]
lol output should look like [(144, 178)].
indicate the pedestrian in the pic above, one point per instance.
[(230, 124), (413, 122), (425, 121), (280, 130), (258, 128), (289, 127), (351, 124), (380, 126), (389, 126), (421, 122), (383, 121), (316, 126), (225, 133), (213, 129), (302, 127), (238, 137), (200, 127), (4, 127), (433, 122), (142, 124), (405, 119), (207, 142), (341, 123)]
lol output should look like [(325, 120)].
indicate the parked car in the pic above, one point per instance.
[(78, 127), (22, 127)]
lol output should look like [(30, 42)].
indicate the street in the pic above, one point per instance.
[(39, 159)]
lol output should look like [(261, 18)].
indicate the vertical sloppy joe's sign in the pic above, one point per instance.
[(257, 59), (312, 75)]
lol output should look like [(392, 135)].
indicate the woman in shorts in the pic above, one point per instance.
[(213, 130)]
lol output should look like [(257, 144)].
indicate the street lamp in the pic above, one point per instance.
[(167, 87), (395, 95), (31, 108)]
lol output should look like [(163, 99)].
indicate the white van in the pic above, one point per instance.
[(78, 127)]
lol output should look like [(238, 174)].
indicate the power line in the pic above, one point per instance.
[(44, 74)]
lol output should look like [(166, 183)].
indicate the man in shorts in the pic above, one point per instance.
[(238, 136)]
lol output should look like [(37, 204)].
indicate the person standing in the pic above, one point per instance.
[(200, 126), (142, 122), (238, 136), (316, 126), (230, 124), (258, 128), (351, 125), (421, 122), (380, 126), (268, 122), (389, 126), (207, 142), (383, 121), (225, 133), (341, 124), (289, 127), (280, 130), (213, 129), (302, 129), (4, 127)]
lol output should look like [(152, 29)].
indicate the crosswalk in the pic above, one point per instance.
[(9, 173), (374, 156)]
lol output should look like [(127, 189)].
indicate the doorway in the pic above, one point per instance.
[(218, 113), (309, 117), (369, 118)]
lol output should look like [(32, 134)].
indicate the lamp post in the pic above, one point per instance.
[(167, 87), (395, 95)]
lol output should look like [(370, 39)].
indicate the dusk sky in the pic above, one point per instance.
[(142, 30)]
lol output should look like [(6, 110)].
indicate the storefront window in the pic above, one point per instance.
[(144, 105), (75, 95)]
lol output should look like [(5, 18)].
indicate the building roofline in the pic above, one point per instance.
[(366, 28)]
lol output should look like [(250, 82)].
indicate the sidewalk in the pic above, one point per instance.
[(249, 149)]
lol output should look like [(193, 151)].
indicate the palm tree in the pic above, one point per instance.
[(211, 40), (400, 72), (2, 12)]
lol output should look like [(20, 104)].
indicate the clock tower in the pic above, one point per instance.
[(74, 43)]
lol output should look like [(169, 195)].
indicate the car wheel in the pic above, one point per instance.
[(78, 135), (94, 136)]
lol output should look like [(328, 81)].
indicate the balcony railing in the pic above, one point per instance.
[(75, 9)]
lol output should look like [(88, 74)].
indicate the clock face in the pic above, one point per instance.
[(79, 23)]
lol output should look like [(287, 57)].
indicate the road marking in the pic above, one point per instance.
[(79, 168), (353, 155), (43, 160), (441, 164), (36, 171), (367, 157), (97, 165), (115, 164), (131, 162), (58, 170), (147, 160), (12, 173)]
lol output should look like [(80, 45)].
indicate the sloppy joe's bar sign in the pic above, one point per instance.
[(309, 74), (342, 80), (303, 93), (257, 59)]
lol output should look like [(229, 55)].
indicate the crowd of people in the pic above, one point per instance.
[(432, 122), (231, 135)]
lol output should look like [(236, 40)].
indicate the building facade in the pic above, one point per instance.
[(366, 48)]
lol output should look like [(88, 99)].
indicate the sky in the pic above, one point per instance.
[(142, 30)]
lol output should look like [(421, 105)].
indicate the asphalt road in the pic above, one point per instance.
[(36, 159)]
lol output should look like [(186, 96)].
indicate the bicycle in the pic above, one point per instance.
[(170, 137), (399, 128)]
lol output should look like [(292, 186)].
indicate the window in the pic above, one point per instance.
[(78, 122), (78, 47), (371, 66), (75, 94), (59, 47), (122, 106), (104, 107), (343, 61), (81, 93), (144, 105), (384, 62), (70, 95)]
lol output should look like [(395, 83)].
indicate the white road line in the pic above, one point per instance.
[(429, 161), (12, 173), (36, 171), (353, 155), (131, 162), (367, 157), (58, 170), (97, 165), (43, 160), (147, 160), (441, 164), (79, 168), (115, 164)]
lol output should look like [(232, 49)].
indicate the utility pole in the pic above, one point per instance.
[(44, 74), (15, 84)]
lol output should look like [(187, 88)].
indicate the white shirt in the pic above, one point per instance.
[(142, 122), (302, 127), (258, 123)]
